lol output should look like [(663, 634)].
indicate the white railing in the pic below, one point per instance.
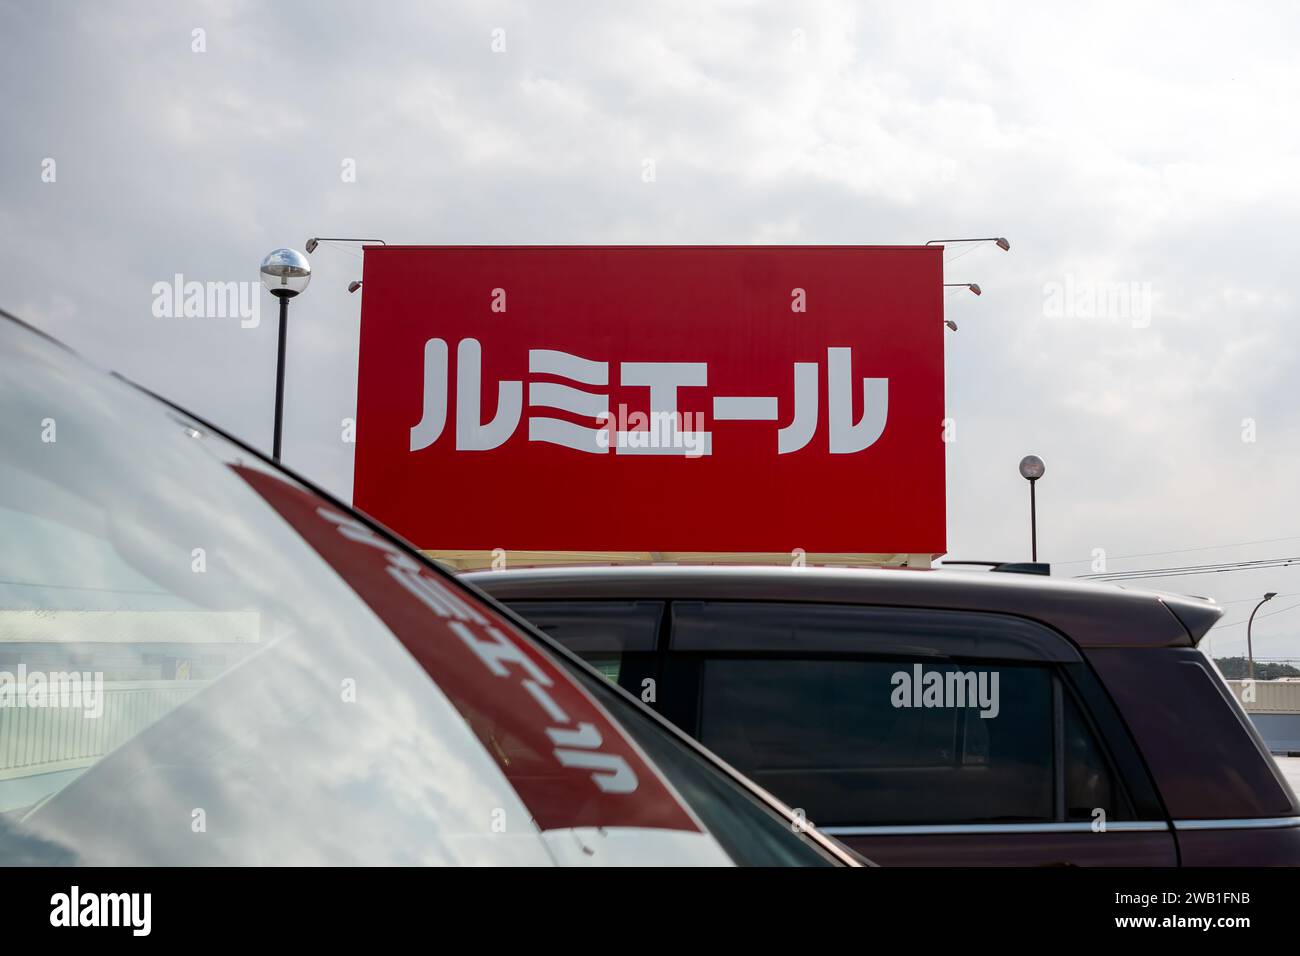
[(35, 740)]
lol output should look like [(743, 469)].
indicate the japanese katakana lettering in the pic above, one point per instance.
[(662, 430)]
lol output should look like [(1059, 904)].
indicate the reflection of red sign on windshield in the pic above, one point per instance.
[(570, 765)]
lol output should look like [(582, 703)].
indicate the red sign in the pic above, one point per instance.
[(667, 398)]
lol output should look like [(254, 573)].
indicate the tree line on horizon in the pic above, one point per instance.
[(1234, 668)]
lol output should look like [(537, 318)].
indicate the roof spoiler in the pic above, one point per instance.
[(1009, 567), (1198, 615)]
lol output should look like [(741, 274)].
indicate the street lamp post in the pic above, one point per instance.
[(285, 273), (1250, 650), (1031, 469)]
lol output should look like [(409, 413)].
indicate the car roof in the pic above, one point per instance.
[(1092, 615)]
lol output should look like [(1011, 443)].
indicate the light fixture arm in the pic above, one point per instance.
[(1000, 241), (314, 241)]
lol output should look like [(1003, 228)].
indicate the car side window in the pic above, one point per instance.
[(875, 717), (854, 742), (618, 638)]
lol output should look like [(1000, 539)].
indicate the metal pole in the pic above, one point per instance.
[(1033, 520), (279, 377), (1250, 650)]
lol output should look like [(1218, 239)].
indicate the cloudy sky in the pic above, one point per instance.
[(1147, 151)]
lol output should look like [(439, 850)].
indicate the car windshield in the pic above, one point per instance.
[(202, 661)]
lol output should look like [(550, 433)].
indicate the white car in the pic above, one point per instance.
[(205, 660)]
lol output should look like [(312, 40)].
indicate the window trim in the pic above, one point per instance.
[(1080, 826), (1024, 640), (1058, 747), (1071, 826)]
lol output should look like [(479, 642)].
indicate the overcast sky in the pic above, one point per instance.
[(1146, 149)]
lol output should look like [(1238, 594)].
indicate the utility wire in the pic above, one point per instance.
[(1208, 547), (1259, 617), (1189, 570), (1250, 600)]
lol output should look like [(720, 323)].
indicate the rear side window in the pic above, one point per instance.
[(837, 738)]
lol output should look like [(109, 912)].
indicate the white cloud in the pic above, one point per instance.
[(1111, 143)]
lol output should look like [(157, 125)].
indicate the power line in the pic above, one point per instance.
[(1189, 570), (1208, 547), (1281, 610), (1248, 600)]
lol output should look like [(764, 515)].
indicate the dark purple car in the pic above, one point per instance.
[(942, 717)]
